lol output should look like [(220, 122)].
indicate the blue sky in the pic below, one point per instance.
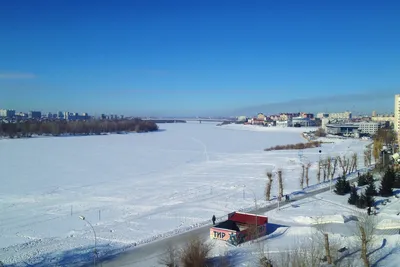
[(199, 57)]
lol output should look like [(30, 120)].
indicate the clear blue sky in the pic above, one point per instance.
[(199, 57)]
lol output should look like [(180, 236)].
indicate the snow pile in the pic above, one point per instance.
[(338, 218), (388, 224)]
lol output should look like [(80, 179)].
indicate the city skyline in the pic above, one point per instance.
[(185, 59)]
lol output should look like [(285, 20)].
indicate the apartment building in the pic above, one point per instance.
[(35, 115), (7, 113), (340, 115), (386, 119), (322, 115), (397, 115), (368, 127)]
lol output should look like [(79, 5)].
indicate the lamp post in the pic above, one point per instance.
[(95, 238), (255, 204)]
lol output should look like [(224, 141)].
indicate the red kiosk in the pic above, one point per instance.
[(239, 227)]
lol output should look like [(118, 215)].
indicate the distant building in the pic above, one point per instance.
[(322, 115), (287, 123), (260, 116), (370, 128), (242, 119), (324, 123), (7, 113), (66, 115), (302, 122), (373, 113), (340, 115), (35, 115), (342, 129), (21, 116), (397, 116), (60, 115), (288, 116), (388, 119), (307, 115)]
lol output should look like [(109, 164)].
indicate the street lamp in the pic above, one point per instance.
[(95, 238)]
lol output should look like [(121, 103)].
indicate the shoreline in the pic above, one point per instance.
[(76, 135)]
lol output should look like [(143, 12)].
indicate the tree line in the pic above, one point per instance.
[(62, 127), (311, 144)]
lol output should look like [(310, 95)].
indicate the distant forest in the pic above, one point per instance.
[(62, 127)]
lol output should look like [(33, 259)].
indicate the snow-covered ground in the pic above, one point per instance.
[(300, 225), (135, 188)]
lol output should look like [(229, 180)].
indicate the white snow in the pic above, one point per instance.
[(136, 188)]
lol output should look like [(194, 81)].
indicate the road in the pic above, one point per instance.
[(141, 255)]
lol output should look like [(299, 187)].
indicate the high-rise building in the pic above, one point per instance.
[(373, 113), (66, 115), (397, 115), (35, 114), (7, 113)]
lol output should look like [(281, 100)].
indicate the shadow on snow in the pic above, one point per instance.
[(79, 257)]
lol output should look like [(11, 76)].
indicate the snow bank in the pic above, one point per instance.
[(388, 224), (338, 218)]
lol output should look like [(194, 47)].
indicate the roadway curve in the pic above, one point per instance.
[(141, 255)]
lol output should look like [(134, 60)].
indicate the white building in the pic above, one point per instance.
[(368, 127), (324, 122), (397, 115), (287, 123), (7, 113), (340, 115), (322, 115), (303, 122), (66, 115)]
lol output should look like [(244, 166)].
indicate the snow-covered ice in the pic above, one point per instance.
[(134, 188)]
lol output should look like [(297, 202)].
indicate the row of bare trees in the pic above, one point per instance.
[(268, 187), (327, 168)]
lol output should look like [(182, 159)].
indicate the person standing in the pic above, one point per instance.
[(213, 219)]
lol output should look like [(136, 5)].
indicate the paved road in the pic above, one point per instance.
[(145, 255)]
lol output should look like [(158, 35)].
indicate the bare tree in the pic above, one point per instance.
[(302, 176), (335, 163), (348, 165), (319, 170), (366, 158), (322, 238), (195, 253), (324, 168), (368, 154), (268, 187), (365, 233), (343, 164), (280, 181), (171, 257), (307, 171), (327, 249), (329, 166), (354, 157), (309, 254)]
